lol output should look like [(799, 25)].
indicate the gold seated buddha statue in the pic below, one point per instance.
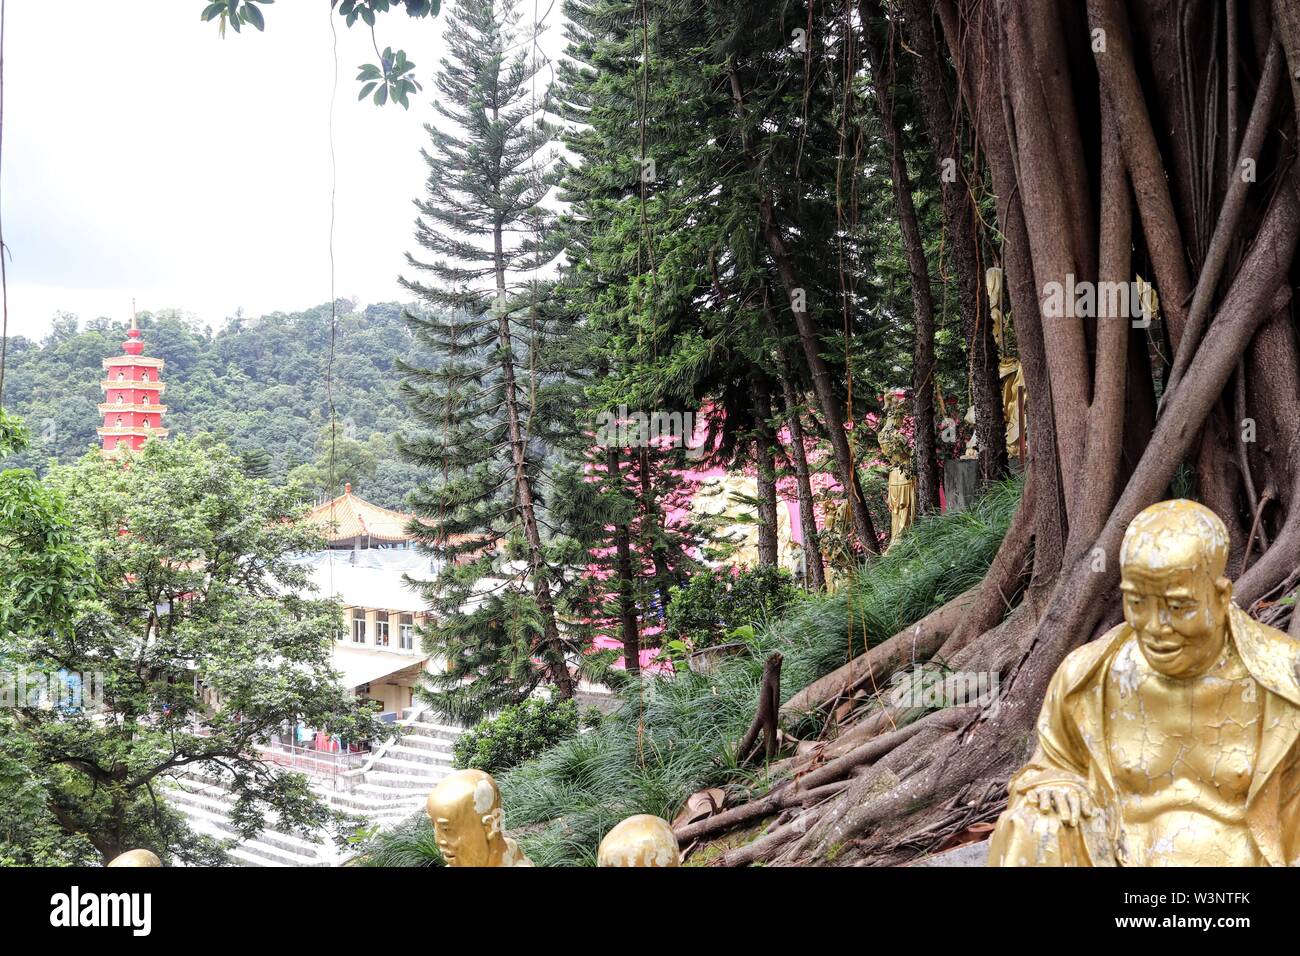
[(1172, 739)]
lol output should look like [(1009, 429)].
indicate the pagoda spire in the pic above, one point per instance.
[(132, 406)]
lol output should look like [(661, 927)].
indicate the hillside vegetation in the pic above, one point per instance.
[(674, 735), (258, 384)]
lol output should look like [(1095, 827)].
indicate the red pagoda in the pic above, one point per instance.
[(132, 389)]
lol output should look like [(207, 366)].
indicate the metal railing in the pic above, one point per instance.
[(320, 763)]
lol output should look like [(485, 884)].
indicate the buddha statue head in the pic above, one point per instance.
[(465, 809), (642, 840), (1175, 595), (136, 858)]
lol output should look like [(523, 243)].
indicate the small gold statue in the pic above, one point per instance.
[(642, 840), (897, 451), (1172, 739), (466, 812), (136, 858)]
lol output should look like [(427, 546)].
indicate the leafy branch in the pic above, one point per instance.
[(391, 80)]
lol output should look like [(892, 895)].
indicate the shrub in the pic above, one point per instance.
[(516, 734), (712, 604)]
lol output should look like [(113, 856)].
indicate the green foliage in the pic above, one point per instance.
[(675, 734), (485, 410), (390, 79), (520, 732), (714, 603), (234, 12), (161, 582)]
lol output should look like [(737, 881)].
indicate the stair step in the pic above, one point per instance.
[(400, 766), (368, 798), (428, 745), (436, 731), (421, 755), (402, 781)]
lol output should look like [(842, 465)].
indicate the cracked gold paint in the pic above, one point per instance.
[(465, 809), (641, 840), (1171, 740)]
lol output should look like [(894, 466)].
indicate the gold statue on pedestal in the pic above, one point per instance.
[(134, 858), (1172, 739), (466, 812), (642, 840)]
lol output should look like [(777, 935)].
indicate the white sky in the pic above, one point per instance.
[(146, 157)]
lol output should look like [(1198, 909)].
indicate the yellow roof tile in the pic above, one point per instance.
[(348, 516)]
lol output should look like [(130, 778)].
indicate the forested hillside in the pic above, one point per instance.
[(258, 384)]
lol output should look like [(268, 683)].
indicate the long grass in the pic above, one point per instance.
[(674, 735)]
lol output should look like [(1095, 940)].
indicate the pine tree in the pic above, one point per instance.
[(483, 408), (627, 498)]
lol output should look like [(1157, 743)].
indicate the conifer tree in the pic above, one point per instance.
[(482, 408)]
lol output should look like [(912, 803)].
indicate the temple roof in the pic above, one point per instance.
[(348, 517)]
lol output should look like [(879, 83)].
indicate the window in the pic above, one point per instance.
[(406, 636), (120, 375), (381, 629), (144, 377), (119, 421), (119, 398), (144, 399), (358, 626), (146, 421)]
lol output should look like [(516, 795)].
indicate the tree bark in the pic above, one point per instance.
[(959, 226), (814, 567), (765, 466), (629, 631)]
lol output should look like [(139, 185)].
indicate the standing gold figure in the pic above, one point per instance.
[(642, 840), (1172, 739), (466, 812)]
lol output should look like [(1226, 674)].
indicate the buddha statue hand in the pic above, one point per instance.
[(1070, 802)]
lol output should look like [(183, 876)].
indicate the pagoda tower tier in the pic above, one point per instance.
[(132, 407)]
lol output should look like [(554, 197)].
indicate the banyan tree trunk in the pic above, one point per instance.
[(1153, 138)]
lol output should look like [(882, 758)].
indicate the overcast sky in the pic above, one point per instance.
[(145, 157)]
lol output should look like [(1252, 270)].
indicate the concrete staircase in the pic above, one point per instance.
[(387, 790), (206, 807)]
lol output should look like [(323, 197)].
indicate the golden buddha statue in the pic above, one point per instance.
[(136, 858), (1172, 739), (465, 809), (642, 840)]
